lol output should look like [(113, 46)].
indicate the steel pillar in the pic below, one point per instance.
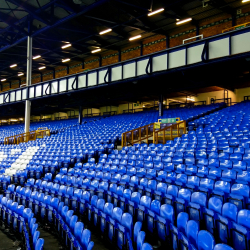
[(28, 83), (161, 105), (80, 115)]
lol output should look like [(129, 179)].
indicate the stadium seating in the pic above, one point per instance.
[(192, 192)]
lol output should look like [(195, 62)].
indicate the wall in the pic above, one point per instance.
[(89, 111), (240, 93), (108, 109), (72, 113), (236, 96), (216, 95)]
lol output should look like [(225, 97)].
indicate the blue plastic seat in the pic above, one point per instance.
[(143, 185), (224, 221), (164, 220), (183, 199), (205, 240), (222, 247), (210, 214), (175, 232), (240, 165), (192, 233), (239, 195), (180, 168), (145, 203), (160, 192), (197, 205), (39, 244), (125, 230), (221, 190), (240, 230)]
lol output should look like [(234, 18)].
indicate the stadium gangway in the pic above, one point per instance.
[(40, 133), (151, 133)]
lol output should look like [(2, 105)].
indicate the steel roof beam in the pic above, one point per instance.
[(29, 9), (11, 22)]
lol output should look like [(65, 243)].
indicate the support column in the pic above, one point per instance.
[(161, 106), (80, 115), (28, 83), (168, 103)]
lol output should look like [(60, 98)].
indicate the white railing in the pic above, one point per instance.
[(201, 36)]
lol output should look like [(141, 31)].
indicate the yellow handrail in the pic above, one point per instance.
[(144, 133), (170, 132), (236, 27), (25, 137), (141, 134)]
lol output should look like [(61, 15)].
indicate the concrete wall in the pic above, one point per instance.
[(216, 95)]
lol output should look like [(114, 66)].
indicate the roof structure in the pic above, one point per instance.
[(56, 23)]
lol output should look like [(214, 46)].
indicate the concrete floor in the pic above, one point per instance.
[(50, 242), (6, 243)]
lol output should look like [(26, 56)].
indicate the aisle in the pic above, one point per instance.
[(51, 242), (6, 243)]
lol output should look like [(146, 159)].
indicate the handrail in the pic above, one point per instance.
[(183, 41), (149, 66), (236, 27), (179, 128), (107, 75), (142, 134), (204, 54), (74, 82), (139, 133), (25, 137), (47, 89), (246, 97)]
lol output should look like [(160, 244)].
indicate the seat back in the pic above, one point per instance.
[(205, 240), (182, 220), (192, 232)]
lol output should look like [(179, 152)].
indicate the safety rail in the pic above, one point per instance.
[(26, 137), (240, 26), (92, 114), (109, 113), (149, 132), (227, 101), (138, 135), (169, 132), (246, 97)]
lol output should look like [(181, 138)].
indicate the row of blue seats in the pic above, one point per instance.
[(154, 210), (16, 218), (236, 153), (114, 173), (236, 193), (168, 162), (160, 173), (7, 204), (58, 214)]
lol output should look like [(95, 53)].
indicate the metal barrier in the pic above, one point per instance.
[(191, 38), (247, 98), (138, 135), (92, 114), (149, 132), (170, 132), (240, 26), (109, 113), (25, 137)]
